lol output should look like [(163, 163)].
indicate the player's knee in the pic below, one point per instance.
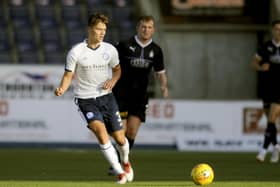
[(120, 141)]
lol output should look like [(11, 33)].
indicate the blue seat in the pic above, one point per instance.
[(20, 17), (93, 3), (4, 42), (44, 2), (106, 10), (46, 17), (124, 17), (51, 40), (112, 35), (125, 34), (75, 36), (28, 57), (25, 40), (72, 17), (17, 2), (69, 2), (54, 58), (3, 24), (122, 3), (5, 58), (26, 46), (3, 20)]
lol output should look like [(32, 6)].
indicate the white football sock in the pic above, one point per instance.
[(110, 154), (124, 151)]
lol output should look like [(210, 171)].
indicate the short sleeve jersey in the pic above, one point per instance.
[(92, 68), (269, 52), (136, 62)]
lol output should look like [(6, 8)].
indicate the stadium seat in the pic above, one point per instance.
[(5, 58), (25, 40), (3, 24), (4, 42), (51, 40), (17, 2), (72, 18), (54, 58), (124, 17), (75, 36), (19, 16), (44, 2), (46, 17), (26, 46), (112, 35), (106, 10), (124, 34), (28, 57), (120, 3), (93, 3), (3, 21), (68, 2)]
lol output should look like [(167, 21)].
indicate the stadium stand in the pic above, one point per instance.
[(26, 45), (75, 36), (46, 17), (4, 39), (41, 31), (4, 47), (20, 15)]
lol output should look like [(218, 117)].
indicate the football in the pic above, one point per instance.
[(202, 174)]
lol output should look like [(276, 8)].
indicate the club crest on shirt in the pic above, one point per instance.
[(90, 115), (151, 54), (270, 49), (105, 56)]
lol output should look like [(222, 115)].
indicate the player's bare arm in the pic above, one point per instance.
[(163, 83), (64, 83), (109, 84)]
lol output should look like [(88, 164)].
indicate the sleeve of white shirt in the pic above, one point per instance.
[(114, 58), (71, 61)]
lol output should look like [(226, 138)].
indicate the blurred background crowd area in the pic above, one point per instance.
[(41, 31), (206, 43)]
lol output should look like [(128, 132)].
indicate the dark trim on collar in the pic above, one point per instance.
[(93, 48)]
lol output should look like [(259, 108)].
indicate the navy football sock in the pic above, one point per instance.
[(270, 135), (131, 142)]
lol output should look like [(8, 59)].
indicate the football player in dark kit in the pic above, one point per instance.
[(267, 62), (138, 56)]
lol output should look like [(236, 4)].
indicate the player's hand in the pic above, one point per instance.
[(164, 91), (109, 84), (265, 67), (59, 91)]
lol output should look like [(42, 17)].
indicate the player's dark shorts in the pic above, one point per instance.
[(132, 104), (269, 89), (102, 108)]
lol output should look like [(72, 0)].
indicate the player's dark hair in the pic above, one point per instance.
[(275, 22), (145, 19), (96, 18)]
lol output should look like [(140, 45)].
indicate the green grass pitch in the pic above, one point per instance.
[(154, 168)]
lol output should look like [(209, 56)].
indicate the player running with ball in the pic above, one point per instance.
[(95, 65)]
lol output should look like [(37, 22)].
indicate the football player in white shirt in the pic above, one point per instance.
[(95, 65)]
